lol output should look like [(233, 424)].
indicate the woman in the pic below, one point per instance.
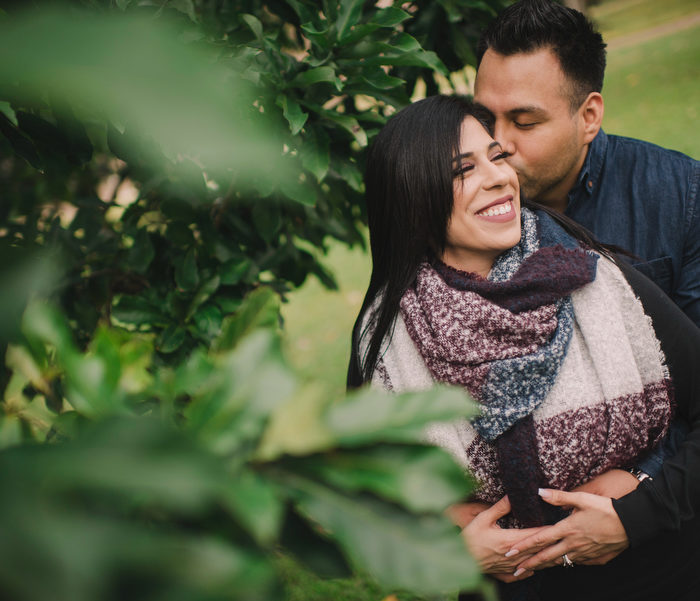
[(546, 331)]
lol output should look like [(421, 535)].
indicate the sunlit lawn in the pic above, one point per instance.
[(652, 91), (622, 17)]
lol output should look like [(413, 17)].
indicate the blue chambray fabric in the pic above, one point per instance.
[(645, 199)]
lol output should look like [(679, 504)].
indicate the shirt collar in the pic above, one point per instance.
[(589, 175)]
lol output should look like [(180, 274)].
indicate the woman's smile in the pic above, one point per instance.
[(499, 211)]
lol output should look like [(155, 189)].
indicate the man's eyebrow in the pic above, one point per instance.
[(520, 110)]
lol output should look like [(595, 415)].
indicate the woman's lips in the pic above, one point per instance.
[(499, 212)]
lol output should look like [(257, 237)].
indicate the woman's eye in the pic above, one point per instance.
[(501, 156), (462, 170)]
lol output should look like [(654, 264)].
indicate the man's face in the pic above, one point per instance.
[(529, 96)]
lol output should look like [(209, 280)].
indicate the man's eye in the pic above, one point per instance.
[(525, 125)]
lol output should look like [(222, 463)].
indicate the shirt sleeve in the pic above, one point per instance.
[(674, 494), (686, 292)]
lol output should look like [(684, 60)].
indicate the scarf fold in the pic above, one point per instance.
[(505, 338)]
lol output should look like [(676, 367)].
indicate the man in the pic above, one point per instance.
[(540, 71)]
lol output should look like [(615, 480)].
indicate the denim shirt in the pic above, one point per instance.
[(645, 199)]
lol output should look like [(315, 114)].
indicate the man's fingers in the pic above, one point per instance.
[(462, 514), (496, 511)]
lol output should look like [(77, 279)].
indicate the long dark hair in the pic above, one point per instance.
[(409, 194)]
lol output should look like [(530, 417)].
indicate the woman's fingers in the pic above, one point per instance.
[(562, 498), (543, 537), (592, 534), (508, 577), (547, 557)]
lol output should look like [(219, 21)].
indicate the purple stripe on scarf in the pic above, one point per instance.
[(545, 276), (521, 476)]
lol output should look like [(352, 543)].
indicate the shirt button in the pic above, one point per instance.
[(590, 183)]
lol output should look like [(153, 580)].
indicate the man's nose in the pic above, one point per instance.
[(502, 135)]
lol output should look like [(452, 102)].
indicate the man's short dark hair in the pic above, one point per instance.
[(530, 25)]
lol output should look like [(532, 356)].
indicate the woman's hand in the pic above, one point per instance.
[(489, 543), (591, 535)]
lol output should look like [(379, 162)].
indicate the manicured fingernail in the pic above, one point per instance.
[(512, 552), (518, 572), (544, 493)]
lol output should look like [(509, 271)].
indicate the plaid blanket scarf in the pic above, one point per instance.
[(558, 352)]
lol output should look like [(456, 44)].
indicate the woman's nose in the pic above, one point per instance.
[(497, 175)]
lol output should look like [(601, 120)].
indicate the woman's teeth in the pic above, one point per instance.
[(501, 209)]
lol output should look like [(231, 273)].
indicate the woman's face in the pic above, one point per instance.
[(485, 218)]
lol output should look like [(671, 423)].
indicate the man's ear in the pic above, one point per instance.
[(591, 112)]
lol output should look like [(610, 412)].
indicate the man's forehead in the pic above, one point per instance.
[(524, 83)]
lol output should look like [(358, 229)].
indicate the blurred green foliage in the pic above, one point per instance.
[(184, 482), (169, 170)]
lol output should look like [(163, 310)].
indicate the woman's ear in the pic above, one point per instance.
[(591, 112)]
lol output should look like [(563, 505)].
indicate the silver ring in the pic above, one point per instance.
[(567, 562)]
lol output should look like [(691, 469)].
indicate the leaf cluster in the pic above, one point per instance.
[(187, 482), (169, 170)]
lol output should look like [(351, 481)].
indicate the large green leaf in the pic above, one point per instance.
[(422, 479), (186, 272), (315, 152), (348, 16), (259, 309), (109, 490), (292, 113), (317, 75), (257, 502), (297, 426), (424, 554), (370, 415)]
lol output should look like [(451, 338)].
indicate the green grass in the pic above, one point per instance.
[(621, 17), (318, 322), (652, 91)]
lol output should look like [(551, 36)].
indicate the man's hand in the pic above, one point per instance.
[(489, 543), (613, 483), (462, 514), (591, 535)]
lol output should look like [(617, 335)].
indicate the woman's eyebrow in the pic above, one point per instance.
[(466, 155)]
